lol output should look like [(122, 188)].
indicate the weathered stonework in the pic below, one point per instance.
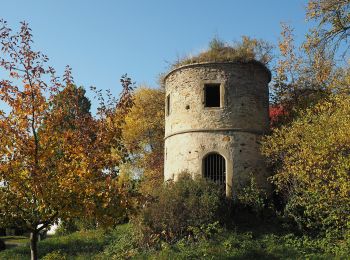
[(233, 130)]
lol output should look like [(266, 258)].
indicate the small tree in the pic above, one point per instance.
[(55, 159)]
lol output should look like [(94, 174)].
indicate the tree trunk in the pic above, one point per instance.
[(34, 245)]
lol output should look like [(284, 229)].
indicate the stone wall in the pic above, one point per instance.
[(232, 130)]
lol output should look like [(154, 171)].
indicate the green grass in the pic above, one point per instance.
[(79, 245), (14, 241), (236, 246), (261, 242), (267, 242)]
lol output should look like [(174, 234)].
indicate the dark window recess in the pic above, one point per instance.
[(212, 95), (215, 168), (168, 105)]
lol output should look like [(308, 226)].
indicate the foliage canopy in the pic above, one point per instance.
[(143, 136)]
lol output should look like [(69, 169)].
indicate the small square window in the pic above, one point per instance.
[(212, 95)]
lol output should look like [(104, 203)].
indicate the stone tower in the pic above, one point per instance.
[(216, 113)]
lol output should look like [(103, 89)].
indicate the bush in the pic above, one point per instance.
[(312, 161), (256, 201), (66, 227), (122, 243), (178, 208), (55, 255), (70, 226)]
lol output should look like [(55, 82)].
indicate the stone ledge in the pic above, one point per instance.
[(208, 130), (218, 63)]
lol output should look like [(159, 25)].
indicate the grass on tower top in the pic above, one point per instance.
[(246, 50)]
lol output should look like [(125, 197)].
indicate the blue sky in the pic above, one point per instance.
[(101, 40)]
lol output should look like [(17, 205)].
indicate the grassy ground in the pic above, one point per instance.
[(233, 244), (13, 241), (79, 245)]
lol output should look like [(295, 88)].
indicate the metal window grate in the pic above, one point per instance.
[(215, 168)]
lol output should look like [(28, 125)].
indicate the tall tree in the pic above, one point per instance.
[(309, 149)]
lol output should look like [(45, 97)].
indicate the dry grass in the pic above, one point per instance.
[(247, 50)]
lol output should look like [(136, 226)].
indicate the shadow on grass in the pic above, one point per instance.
[(84, 244)]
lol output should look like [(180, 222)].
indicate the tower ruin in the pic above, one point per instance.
[(216, 113)]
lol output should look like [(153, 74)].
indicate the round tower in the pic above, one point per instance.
[(216, 113)]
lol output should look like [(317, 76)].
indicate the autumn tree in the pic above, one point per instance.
[(303, 76), (51, 166), (108, 154), (143, 135), (72, 103), (333, 18), (309, 147)]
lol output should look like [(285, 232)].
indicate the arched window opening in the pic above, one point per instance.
[(215, 168)]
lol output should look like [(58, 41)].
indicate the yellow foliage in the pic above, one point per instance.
[(333, 21), (312, 156), (143, 135)]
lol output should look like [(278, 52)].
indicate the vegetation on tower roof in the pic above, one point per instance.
[(246, 50)]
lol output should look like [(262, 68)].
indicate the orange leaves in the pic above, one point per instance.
[(289, 64), (303, 73), (286, 45), (56, 159)]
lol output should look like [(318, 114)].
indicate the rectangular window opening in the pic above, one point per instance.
[(212, 95), (168, 105)]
